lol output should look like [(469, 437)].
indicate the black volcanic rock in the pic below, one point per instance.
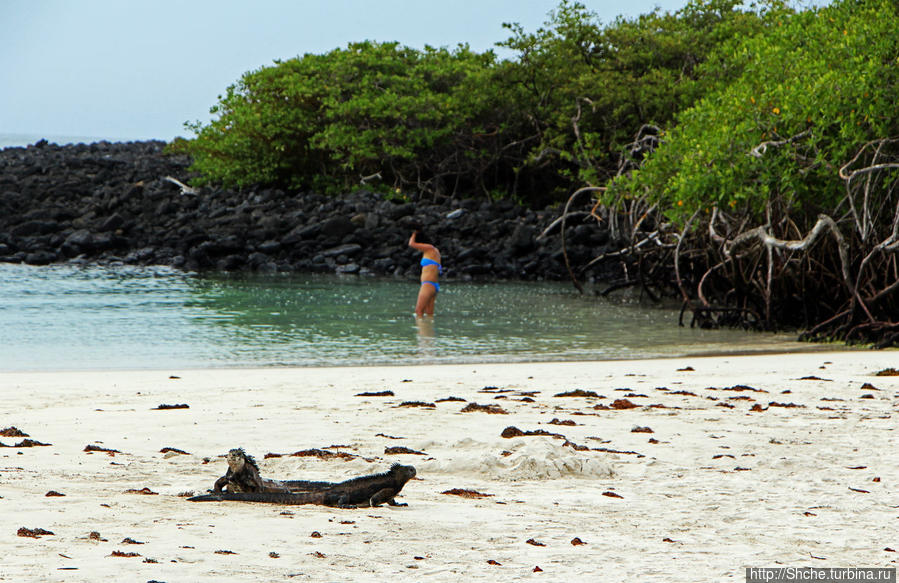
[(111, 202)]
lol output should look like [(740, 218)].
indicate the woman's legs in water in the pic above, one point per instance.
[(427, 294)]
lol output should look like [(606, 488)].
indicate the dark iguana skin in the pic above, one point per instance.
[(291, 498), (243, 476), (359, 492), (306, 486)]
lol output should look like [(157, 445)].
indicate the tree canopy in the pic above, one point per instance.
[(813, 87), (327, 121), (783, 178), (444, 121)]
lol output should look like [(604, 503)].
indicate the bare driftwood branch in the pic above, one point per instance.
[(559, 221), (645, 214), (575, 124), (680, 240), (845, 175), (864, 217), (370, 177), (825, 224), (760, 150), (185, 189), (777, 274), (713, 234), (577, 193), (544, 153), (653, 237), (645, 141), (868, 169), (705, 276), (888, 245)]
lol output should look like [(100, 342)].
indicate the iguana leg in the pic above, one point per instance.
[(338, 500), (385, 495), (220, 483), (344, 502)]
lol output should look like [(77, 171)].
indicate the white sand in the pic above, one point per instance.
[(723, 489)]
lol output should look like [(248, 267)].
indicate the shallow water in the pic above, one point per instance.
[(68, 317)]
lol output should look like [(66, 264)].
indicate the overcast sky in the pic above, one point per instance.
[(138, 69)]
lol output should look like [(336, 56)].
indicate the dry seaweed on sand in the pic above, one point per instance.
[(490, 409), (465, 493), (13, 432), (580, 393), (513, 431), (401, 450), (165, 406), (33, 532)]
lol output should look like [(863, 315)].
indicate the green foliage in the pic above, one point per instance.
[(589, 88), (455, 121), (718, 80), (326, 121), (812, 87)]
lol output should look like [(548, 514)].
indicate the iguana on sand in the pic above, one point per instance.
[(364, 491), (243, 476)]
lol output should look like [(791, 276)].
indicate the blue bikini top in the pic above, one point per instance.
[(426, 261)]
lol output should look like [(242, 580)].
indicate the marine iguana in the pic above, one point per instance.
[(358, 492), (243, 476)]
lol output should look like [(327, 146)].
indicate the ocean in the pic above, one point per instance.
[(21, 140), (67, 317)]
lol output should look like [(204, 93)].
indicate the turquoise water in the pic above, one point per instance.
[(71, 318)]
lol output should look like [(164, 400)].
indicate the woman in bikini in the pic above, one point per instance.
[(430, 271)]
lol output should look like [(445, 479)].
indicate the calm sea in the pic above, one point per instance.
[(19, 140), (69, 318)]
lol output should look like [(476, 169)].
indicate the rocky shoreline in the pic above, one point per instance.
[(110, 203)]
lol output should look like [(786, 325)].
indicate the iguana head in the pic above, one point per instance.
[(237, 458), (402, 472)]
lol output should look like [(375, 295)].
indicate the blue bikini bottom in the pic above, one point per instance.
[(434, 283)]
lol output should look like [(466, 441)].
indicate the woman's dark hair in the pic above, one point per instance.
[(421, 237)]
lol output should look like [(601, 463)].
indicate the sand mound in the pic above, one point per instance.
[(531, 459)]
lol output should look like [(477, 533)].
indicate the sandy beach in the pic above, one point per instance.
[(682, 469)]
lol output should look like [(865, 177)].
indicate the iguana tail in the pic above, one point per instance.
[(294, 498)]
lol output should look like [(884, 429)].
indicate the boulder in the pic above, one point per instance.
[(269, 247), (40, 258), (35, 227), (81, 241), (300, 233), (337, 227), (350, 249), (112, 222), (523, 239)]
